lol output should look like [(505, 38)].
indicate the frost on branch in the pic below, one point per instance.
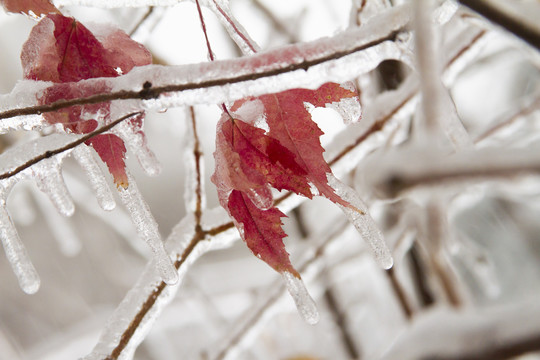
[(271, 141)]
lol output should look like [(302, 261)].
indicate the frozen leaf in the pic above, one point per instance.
[(63, 51), (290, 123), (271, 141), (37, 7)]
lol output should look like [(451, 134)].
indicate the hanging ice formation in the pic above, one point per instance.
[(47, 175)]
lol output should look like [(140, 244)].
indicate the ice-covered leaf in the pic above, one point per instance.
[(290, 123), (272, 141), (38, 7), (62, 50)]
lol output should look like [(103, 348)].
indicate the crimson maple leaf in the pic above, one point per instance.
[(286, 156), (38, 7), (62, 50)]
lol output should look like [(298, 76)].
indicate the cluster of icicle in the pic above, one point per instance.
[(47, 174)]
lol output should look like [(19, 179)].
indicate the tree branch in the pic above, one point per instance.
[(249, 69), (69, 146)]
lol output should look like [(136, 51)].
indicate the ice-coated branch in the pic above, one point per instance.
[(512, 23), (37, 157), (394, 175), (338, 58), (437, 106), (232, 26)]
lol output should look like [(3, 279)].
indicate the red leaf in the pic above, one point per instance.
[(38, 7), (112, 151), (261, 230), (291, 124), (63, 51), (288, 156)]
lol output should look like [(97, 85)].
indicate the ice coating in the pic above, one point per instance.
[(83, 155), (303, 301), (363, 222), (16, 253), (48, 176), (147, 229)]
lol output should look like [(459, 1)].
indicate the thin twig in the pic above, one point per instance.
[(339, 319), (400, 293), (71, 145), (203, 25), (419, 277), (142, 20), (197, 154)]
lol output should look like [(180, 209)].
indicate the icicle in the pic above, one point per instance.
[(136, 142), (85, 158), (147, 229), (363, 222), (62, 229), (303, 301), (49, 180), (16, 253)]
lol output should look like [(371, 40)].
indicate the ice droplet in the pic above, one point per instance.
[(85, 158), (303, 301), (147, 229), (16, 254)]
